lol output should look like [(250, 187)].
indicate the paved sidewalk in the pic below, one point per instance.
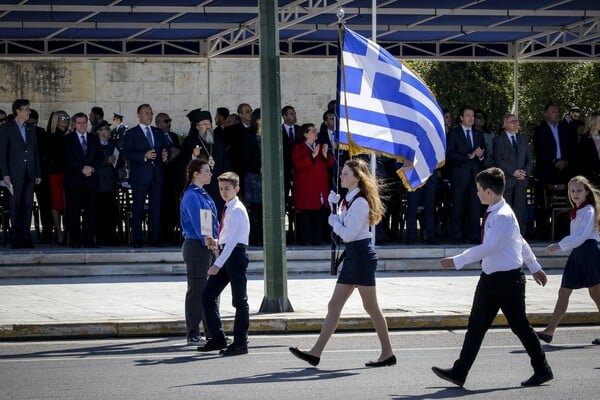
[(127, 306)]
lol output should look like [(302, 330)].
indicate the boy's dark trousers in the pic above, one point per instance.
[(234, 272), (506, 291)]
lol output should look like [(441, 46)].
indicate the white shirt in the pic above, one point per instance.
[(353, 223), (235, 229), (582, 228), (503, 247)]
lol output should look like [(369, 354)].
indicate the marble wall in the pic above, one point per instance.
[(172, 86)]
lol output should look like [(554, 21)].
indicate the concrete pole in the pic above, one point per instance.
[(275, 299)]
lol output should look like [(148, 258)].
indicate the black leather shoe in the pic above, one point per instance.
[(388, 362), (538, 379), (448, 375), (213, 344), (234, 350), (312, 360), (544, 337)]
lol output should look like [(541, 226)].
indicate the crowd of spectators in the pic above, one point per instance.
[(100, 183)]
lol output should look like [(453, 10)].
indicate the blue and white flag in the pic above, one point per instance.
[(386, 108)]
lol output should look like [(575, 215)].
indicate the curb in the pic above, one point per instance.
[(287, 323)]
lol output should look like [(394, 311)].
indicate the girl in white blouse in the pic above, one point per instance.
[(583, 265)]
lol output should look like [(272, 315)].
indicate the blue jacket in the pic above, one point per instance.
[(194, 199)]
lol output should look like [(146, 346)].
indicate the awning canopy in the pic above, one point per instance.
[(435, 29)]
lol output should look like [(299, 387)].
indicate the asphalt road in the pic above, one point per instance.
[(164, 368)]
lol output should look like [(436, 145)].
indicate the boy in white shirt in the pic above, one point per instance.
[(501, 285), (229, 267)]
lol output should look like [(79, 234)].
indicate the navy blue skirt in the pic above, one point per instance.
[(583, 266), (359, 265)]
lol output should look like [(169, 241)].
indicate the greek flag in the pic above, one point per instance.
[(386, 108)]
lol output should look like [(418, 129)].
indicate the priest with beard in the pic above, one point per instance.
[(201, 143)]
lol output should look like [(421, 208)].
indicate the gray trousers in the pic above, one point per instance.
[(198, 259)]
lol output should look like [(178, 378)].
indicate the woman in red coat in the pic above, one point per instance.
[(311, 186)]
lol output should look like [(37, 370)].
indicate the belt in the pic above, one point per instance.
[(237, 246)]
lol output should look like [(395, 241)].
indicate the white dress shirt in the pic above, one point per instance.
[(582, 228), (235, 229), (503, 247), (353, 223)]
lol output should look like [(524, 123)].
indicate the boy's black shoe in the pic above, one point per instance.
[(234, 349), (538, 379), (213, 344), (449, 375)]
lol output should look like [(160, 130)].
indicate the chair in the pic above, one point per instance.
[(556, 201)]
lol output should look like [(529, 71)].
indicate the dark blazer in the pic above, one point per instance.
[(589, 160), (544, 147), (17, 158), (75, 160), (135, 146), (462, 169), (508, 160), (288, 147)]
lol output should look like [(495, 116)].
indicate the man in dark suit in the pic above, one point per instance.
[(20, 166), (554, 151), (118, 131), (512, 154), (290, 132), (82, 160), (465, 153), (147, 150)]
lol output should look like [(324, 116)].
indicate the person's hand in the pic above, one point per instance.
[(111, 159), (315, 152), (38, 181), (560, 165), (324, 149), (210, 242), (479, 152), (213, 270), (7, 181), (196, 152), (150, 154), (447, 263), (333, 197), (540, 278), (165, 155), (333, 219), (87, 170), (552, 247)]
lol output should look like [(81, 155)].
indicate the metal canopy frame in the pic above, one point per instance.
[(439, 29)]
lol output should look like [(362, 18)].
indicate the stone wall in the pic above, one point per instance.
[(172, 86)]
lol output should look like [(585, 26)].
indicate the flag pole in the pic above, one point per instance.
[(334, 261)]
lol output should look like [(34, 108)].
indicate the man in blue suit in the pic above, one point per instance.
[(147, 149), (20, 166), (465, 153)]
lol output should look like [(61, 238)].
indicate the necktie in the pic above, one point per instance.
[(513, 140), (469, 139), (83, 144), (483, 225), (149, 136), (221, 221), (292, 135)]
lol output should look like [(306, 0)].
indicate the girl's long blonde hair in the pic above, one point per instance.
[(369, 187)]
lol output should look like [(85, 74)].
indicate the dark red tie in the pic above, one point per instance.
[(221, 221), (483, 225), (292, 135)]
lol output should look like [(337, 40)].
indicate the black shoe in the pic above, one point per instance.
[(596, 341), (213, 344), (544, 337), (312, 360), (388, 362), (433, 242), (91, 246), (449, 375), (154, 243), (538, 379), (136, 245), (75, 245), (234, 349)]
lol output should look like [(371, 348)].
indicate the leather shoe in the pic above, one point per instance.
[(312, 360), (234, 350), (213, 344), (448, 375), (538, 379), (544, 337), (388, 362)]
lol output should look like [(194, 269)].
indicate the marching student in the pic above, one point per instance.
[(501, 285), (582, 268), (229, 268)]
